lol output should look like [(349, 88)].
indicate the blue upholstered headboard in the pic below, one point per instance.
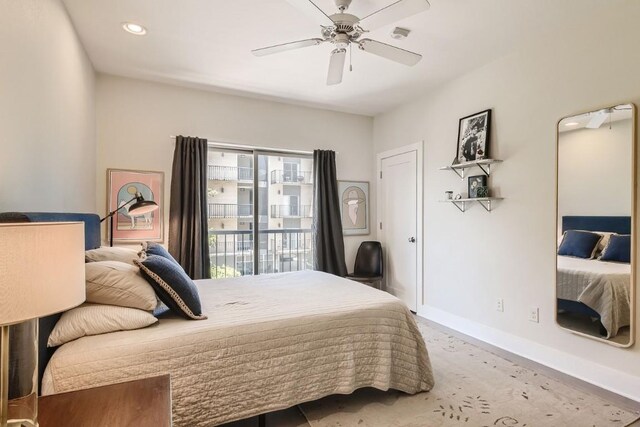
[(91, 241), (614, 224)]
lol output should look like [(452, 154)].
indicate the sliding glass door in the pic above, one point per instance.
[(259, 197)]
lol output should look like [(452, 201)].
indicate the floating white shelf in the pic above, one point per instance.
[(484, 165), (485, 202)]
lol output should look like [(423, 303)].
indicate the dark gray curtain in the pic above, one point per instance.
[(328, 243), (188, 234)]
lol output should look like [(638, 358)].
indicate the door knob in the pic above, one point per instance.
[(412, 239)]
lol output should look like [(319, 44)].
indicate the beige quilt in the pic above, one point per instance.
[(270, 342), (602, 286)]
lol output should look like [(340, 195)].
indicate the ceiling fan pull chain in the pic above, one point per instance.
[(350, 57)]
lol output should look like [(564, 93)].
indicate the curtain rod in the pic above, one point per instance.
[(220, 144)]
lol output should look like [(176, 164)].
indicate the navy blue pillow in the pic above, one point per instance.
[(172, 285), (618, 249), (156, 249), (581, 244)]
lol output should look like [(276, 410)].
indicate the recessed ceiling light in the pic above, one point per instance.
[(133, 28), (572, 124)]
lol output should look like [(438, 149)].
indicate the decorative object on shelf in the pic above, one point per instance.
[(474, 183), (354, 207), (142, 220), (473, 137), (458, 196), (482, 191), (41, 273), (448, 195)]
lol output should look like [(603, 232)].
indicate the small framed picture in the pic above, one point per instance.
[(122, 186), (477, 186), (354, 207), (473, 137)]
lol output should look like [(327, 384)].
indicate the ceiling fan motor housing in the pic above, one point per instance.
[(341, 40), (344, 31)]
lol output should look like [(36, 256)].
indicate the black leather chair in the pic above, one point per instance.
[(368, 267)]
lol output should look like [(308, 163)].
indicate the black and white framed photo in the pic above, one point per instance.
[(473, 137), (475, 183)]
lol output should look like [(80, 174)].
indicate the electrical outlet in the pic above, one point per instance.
[(534, 314), (500, 304)]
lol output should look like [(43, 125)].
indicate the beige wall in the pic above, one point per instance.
[(136, 118), (472, 259), (47, 117), (594, 171)]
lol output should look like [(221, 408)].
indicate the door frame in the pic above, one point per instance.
[(418, 147)]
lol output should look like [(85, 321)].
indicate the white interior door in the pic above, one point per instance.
[(399, 227)]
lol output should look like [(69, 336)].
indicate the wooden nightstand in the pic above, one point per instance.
[(140, 403)]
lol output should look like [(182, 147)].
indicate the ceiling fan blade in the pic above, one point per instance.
[(396, 11), (286, 46), (597, 120), (336, 66), (311, 9), (390, 52)]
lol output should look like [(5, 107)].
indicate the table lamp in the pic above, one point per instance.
[(140, 207), (41, 273)]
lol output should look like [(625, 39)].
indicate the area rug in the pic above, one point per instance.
[(474, 388)]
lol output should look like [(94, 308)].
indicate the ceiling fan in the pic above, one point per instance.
[(601, 116), (343, 29)]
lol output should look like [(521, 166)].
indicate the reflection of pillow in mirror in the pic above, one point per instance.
[(606, 235), (618, 249), (580, 244), (603, 242)]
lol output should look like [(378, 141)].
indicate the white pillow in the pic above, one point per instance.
[(95, 319), (606, 235), (118, 283), (107, 253)]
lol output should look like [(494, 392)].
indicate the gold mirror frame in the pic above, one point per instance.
[(634, 230)]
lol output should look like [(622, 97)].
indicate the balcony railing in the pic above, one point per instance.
[(227, 210), (286, 177), (290, 211), (232, 251), (230, 173)]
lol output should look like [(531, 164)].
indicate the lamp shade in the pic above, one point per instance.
[(142, 207), (41, 269)]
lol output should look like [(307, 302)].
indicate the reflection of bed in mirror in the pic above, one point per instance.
[(591, 289)]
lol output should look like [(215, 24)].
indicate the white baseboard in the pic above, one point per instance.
[(616, 381)]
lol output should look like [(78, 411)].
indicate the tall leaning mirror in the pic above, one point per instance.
[(596, 208)]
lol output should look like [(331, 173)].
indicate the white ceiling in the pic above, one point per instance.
[(207, 43)]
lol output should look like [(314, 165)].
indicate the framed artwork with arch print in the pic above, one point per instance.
[(354, 207), (122, 186)]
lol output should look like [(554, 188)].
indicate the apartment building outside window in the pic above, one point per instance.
[(259, 212)]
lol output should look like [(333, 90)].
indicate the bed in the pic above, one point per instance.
[(270, 342), (595, 288)]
